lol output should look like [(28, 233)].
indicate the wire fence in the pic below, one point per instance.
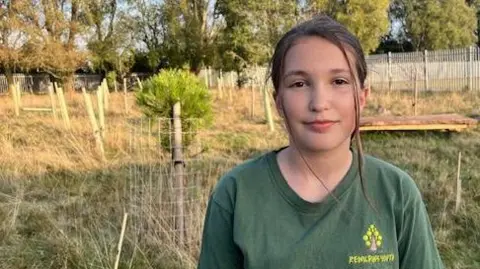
[(441, 70), (450, 70), (156, 202)]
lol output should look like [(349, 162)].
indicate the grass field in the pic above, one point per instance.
[(61, 207)]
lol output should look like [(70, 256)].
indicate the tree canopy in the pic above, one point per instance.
[(60, 37)]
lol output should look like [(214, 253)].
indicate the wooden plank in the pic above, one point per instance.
[(414, 127), (37, 109), (417, 120)]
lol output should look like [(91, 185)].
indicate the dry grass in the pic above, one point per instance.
[(62, 207)]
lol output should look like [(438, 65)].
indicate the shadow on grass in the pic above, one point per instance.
[(70, 219)]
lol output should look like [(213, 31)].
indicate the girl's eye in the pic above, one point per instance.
[(340, 81), (298, 84)]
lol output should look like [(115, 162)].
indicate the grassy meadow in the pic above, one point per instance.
[(61, 206)]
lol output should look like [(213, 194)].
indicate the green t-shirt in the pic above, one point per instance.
[(255, 220)]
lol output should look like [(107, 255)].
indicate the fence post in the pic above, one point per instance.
[(470, 68), (389, 71), (178, 163), (425, 68)]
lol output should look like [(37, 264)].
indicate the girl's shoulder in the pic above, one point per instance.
[(381, 167), (390, 178), (248, 174)]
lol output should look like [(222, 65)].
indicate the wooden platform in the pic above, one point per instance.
[(447, 122)]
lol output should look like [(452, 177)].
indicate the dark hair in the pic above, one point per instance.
[(325, 27)]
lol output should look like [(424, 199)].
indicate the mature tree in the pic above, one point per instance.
[(435, 24), (476, 5), (367, 19), (147, 23), (12, 38), (175, 33), (188, 33), (111, 43), (55, 26), (251, 30)]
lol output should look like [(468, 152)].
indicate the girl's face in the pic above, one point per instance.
[(316, 95)]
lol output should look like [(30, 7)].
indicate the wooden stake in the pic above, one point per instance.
[(415, 98), (101, 111), (206, 77), (139, 83), (230, 95), (106, 95), (63, 107), (268, 109), (16, 105), (459, 184), (221, 85), (125, 95), (120, 242), (178, 165), (252, 109), (93, 122), (52, 100), (19, 95), (115, 86)]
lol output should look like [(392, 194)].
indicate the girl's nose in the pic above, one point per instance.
[(320, 98)]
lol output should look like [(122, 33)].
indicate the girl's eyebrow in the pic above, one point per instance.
[(339, 70), (303, 73), (295, 72)]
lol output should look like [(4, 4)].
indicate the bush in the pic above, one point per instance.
[(162, 91), (111, 78)]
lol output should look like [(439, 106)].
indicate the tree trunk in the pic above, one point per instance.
[(10, 82), (69, 83)]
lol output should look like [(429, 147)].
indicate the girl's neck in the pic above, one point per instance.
[(329, 166)]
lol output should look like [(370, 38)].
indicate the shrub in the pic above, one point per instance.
[(162, 91), (111, 78)]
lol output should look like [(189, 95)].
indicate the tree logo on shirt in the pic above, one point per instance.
[(372, 238)]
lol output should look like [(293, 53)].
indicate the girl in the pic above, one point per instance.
[(318, 202)]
